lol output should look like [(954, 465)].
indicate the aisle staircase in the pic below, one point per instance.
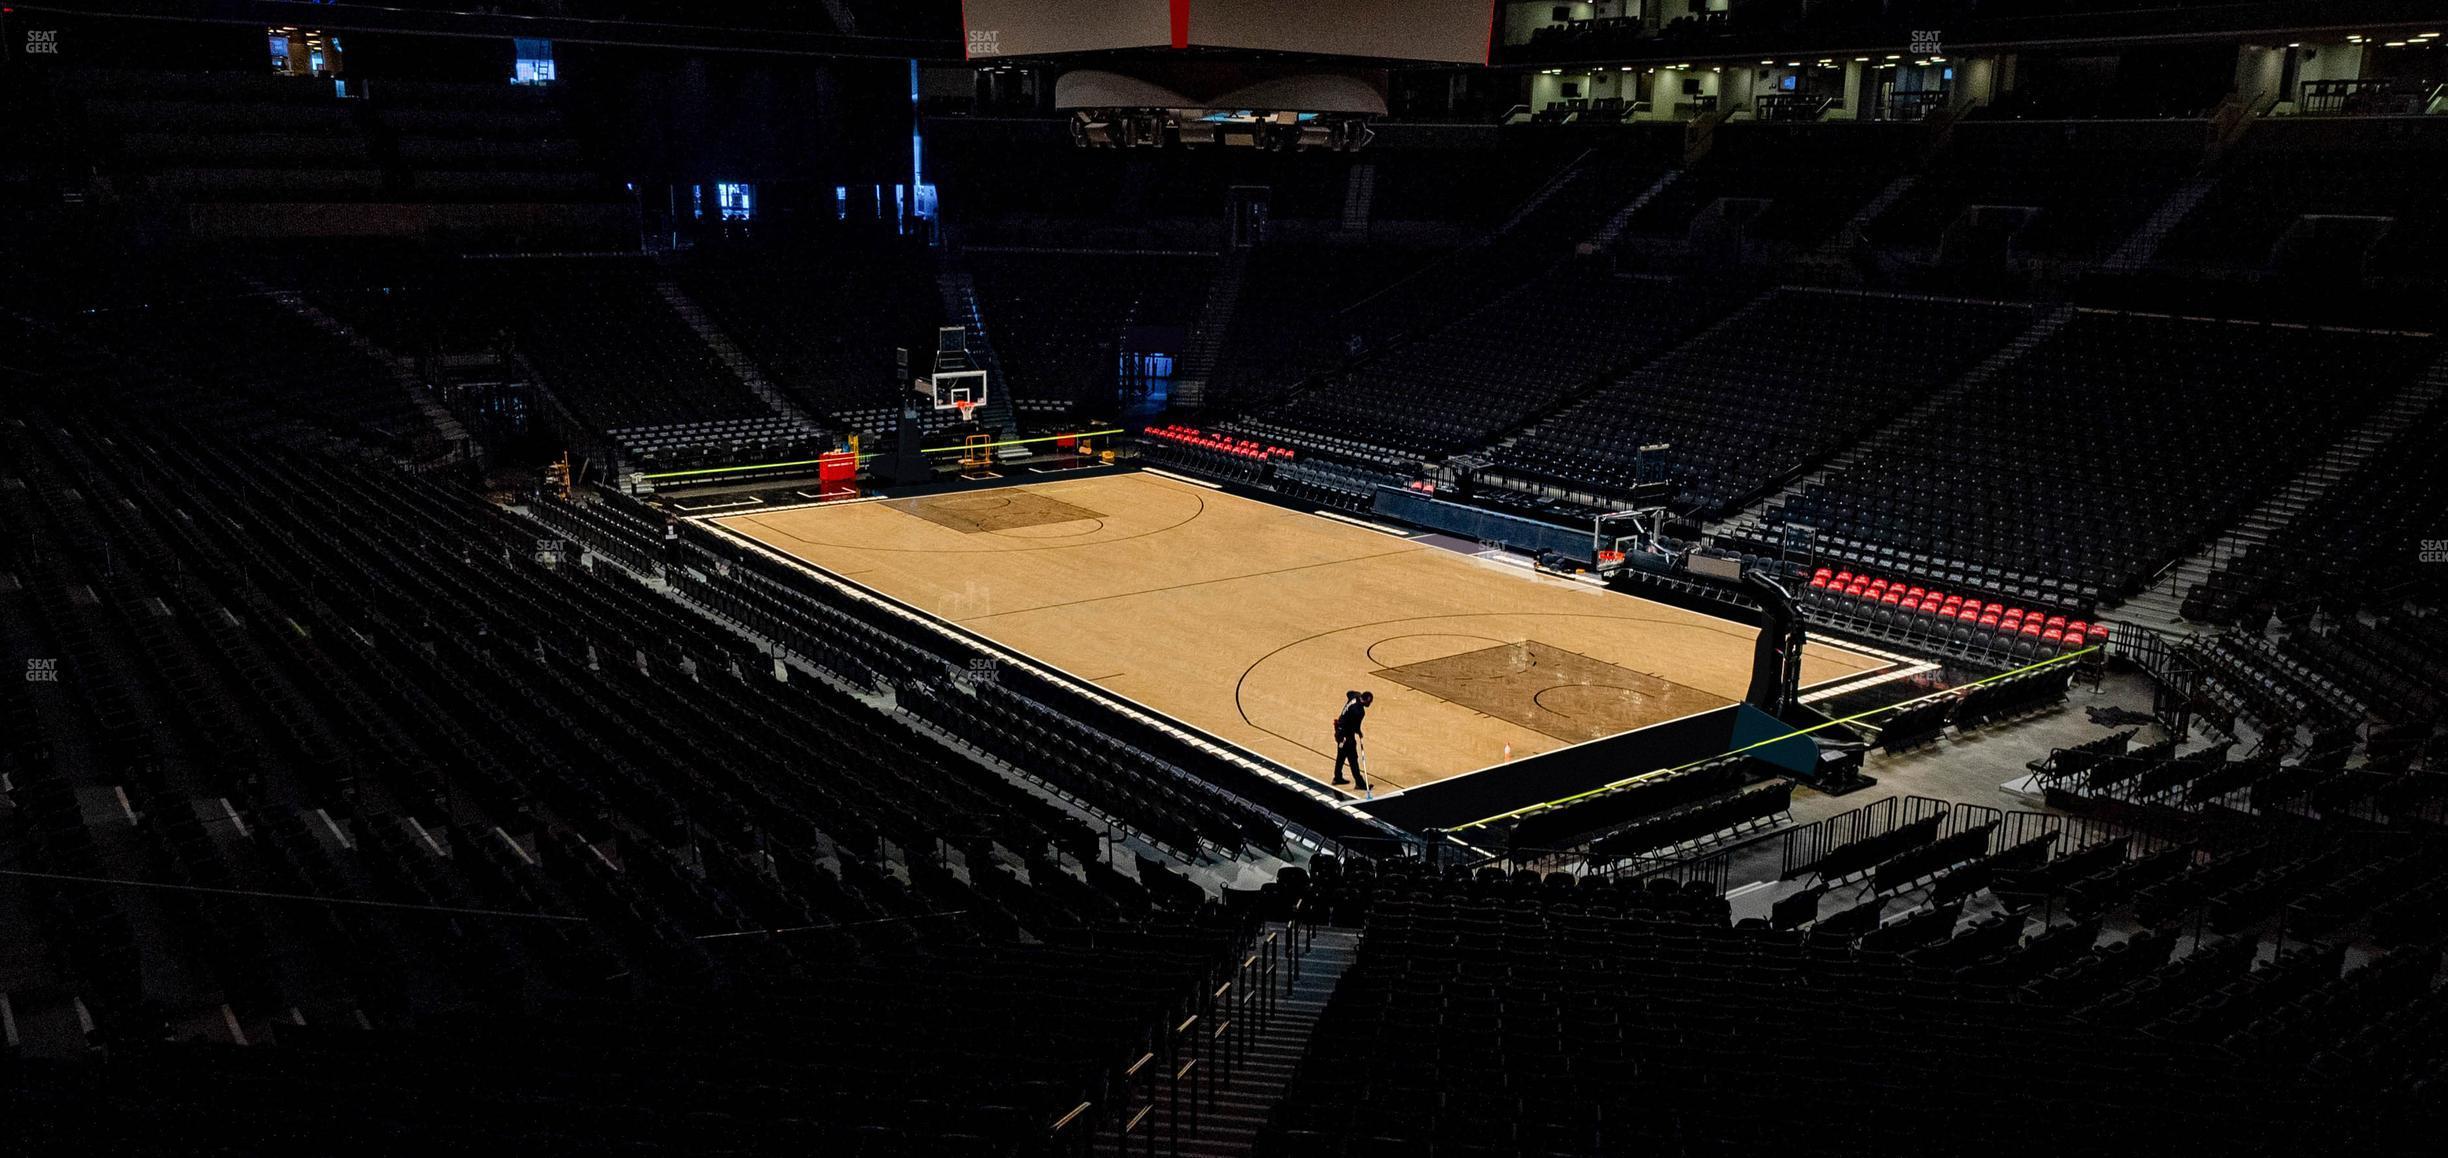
[(1613, 378), (1359, 192), (1850, 235), (2138, 249), (1248, 1078), (400, 367), (960, 305), (742, 366), (1215, 317), (1607, 234), (1750, 519), (1564, 177), (2159, 606)]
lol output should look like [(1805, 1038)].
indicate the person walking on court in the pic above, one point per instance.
[(1347, 736)]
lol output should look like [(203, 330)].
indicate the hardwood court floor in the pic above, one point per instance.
[(1249, 621)]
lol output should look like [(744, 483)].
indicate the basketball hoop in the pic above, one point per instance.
[(967, 409)]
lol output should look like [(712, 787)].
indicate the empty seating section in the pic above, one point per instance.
[(255, 347), (822, 324), (1057, 320), (608, 346), (2321, 690), (967, 1053), (406, 300), (1226, 444), (306, 673), (1288, 323), (1215, 455), (1306, 307), (1917, 962), (1651, 816), (2237, 670), (231, 136), (1464, 186), (1071, 759), (1777, 387), (1793, 184), (225, 137), (1464, 384), (2100, 454), (2302, 706), (492, 818), (2391, 670), (1137, 778), (1119, 198), (1520, 1017), (705, 443), (1195, 183), (1545, 228), (2091, 184), (1894, 609), (974, 171), (1332, 484), (2359, 544), (2287, 169), (1924, 719), (486, 142), (1589, 192)]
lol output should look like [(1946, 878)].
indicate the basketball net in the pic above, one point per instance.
[(968, 410)]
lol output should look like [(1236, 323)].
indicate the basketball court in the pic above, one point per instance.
[(1249, 621)]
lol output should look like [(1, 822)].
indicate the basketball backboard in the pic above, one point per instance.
[(957, 389)]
